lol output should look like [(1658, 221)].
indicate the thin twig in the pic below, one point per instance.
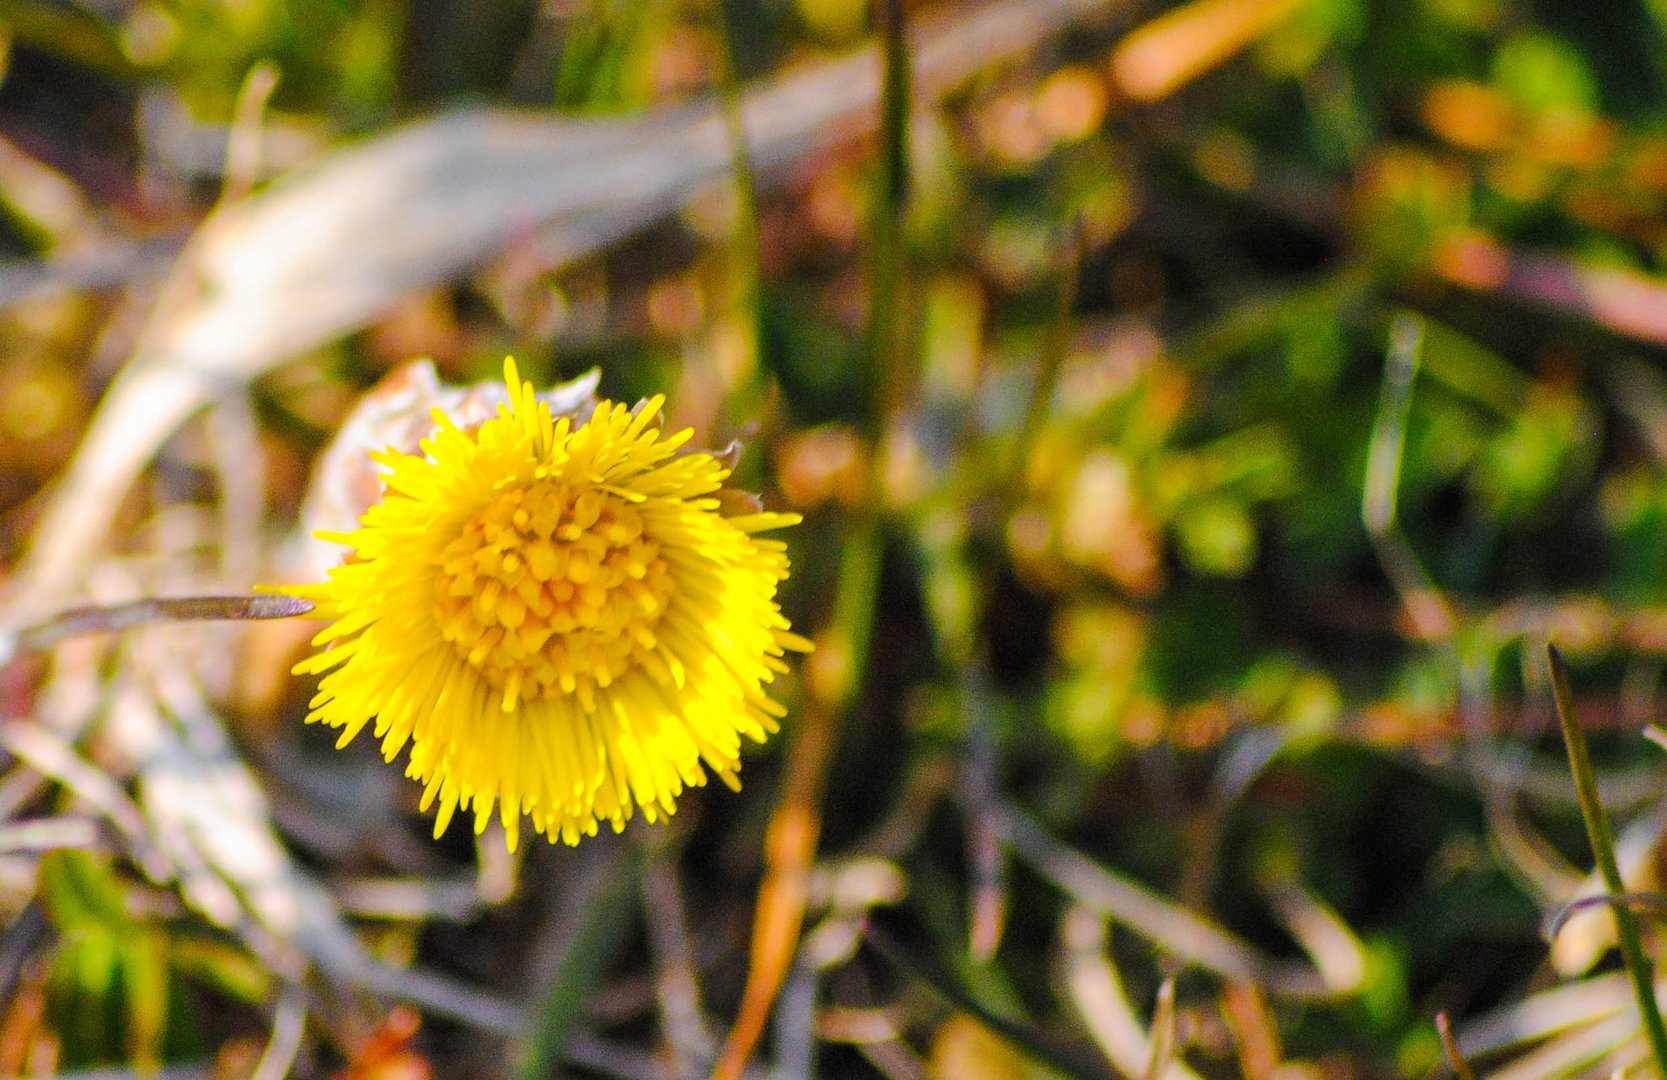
[(1638, 966), (117, 617), (1097, 991)]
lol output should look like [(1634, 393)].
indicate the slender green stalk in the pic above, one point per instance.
[(888, 369), (596, 896), (746, 275), (1638, 966), (1431, 615), (886, 366), (795, 826)]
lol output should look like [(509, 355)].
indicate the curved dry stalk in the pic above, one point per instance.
[(1580, 936), (289, 1023), (1097, 992), (1653, 903)]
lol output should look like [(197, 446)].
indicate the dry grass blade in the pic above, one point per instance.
[(1337, 953), (207, 812), (689, 1042), (289, 1022), (49, 755), (985, 855), (1534, 862), (1255, 1031), (324, 251), (1098, 995), (1178, 931), (47, 199), (1163, 1033), (1575, 1052), (1545, 1014), (49, 834), (1622, 301), (243, 147)]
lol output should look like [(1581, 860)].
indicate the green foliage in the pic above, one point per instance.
[(1541, 73), (107, 983), (112, 987)]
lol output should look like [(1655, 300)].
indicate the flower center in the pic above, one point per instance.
[(552, 589)]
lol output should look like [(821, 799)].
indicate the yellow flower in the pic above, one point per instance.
[(559, 619)]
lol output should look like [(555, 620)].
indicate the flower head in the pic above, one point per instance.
[(561, 619)]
